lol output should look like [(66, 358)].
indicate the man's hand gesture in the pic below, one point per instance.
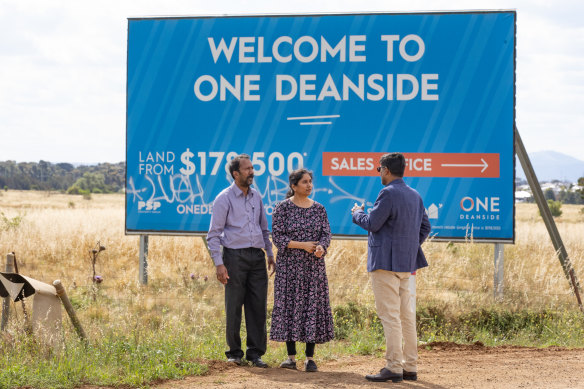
[(356, 207)]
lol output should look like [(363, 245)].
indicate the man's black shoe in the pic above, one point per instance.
[(385, 375), (235, 360), (258, 363), (410, 375)]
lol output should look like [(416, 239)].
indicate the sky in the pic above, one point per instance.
[(63, 69)]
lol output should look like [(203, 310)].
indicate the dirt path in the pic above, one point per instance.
[(445, 366)]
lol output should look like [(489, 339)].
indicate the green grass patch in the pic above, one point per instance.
[(116, 359), (133, 352), (360, 325), (497, 326)]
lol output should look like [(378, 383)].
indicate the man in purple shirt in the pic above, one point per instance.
[(239, 224)]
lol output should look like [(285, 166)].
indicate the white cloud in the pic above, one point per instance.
[(63, 69)]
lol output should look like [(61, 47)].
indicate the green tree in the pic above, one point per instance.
[(89, 183), (549, 194), (581, 190), (570, 197), (555, 208)]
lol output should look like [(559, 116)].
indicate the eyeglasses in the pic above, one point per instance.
[(379, 168)]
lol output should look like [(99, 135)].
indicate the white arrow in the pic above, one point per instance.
[(485, 165)]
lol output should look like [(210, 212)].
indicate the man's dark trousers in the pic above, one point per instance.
[(247, 286)]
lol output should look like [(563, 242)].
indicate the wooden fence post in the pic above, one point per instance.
[(69, 308), (6, 302)]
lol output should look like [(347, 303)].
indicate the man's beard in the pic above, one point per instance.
[(248, 181)]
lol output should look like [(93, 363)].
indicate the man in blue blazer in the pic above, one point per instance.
[(397, 226)]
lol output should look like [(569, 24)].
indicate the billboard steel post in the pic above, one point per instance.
[(548, 219), (143, 272), (499, 271)]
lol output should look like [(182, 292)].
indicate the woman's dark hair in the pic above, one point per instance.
[(295, 178)]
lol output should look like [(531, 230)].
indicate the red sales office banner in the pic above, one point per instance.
[(485, 165)]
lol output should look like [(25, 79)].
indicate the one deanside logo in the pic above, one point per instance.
[(480, 208)]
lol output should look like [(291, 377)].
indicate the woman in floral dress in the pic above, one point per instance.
[(301, 232)]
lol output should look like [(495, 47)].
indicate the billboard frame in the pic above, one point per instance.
[(335, 236)]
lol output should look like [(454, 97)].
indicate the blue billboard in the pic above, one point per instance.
[(331, 93)]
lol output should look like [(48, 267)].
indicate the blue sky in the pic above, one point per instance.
[(63, 69)]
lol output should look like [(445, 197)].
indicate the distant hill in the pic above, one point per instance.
[(551, 165)]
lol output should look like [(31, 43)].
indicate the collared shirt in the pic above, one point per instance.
[(238, 222)]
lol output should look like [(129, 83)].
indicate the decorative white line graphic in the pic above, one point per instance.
[(313, 123), (313, 117)]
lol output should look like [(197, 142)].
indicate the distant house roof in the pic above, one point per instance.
[(522, 194)]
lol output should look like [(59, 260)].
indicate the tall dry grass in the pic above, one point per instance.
[(57, 232), (139, 334)]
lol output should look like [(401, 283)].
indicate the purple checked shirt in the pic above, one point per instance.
[(238, 222)]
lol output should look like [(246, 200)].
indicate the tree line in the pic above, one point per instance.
[(567, 195), (64, 177), (110, 178)]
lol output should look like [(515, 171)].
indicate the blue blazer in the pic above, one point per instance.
[(397, 226)]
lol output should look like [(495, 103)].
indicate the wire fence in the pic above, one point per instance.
[(179, 285), (112, 293)]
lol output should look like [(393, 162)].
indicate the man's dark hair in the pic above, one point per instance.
[(394, 162), (234, 164)]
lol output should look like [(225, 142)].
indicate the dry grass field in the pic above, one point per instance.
[(173, 327), (57, 231)]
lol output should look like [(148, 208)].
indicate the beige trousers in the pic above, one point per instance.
[(398, 317)]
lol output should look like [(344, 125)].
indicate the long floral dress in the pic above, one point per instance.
[(302, 309)]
